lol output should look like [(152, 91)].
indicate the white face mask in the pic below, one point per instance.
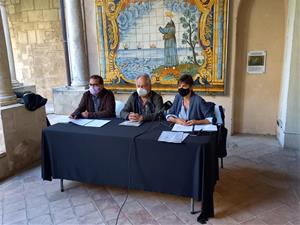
[(142, 92)]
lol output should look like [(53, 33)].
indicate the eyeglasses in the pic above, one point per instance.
[(92, 85)]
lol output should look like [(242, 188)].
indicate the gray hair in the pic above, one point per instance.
[(146, 76)]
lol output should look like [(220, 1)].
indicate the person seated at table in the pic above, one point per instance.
[(143, 104), (188, 107), (97, 102)]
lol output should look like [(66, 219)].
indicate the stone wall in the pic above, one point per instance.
[(20, 137), (37, 43)]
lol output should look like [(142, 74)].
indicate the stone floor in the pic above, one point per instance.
[(260, 184)]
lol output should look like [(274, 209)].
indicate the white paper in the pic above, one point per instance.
[(178, 127), (97, 123), (80, 122), (206, 127), (89, 122), (172, 137), (201, 127), (130, 123), (58, 119)]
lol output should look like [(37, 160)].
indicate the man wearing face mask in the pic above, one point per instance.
[(97, 102), (189, 108), (143, 104)]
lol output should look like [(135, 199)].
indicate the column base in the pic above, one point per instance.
[(24, 88), (66, 99), (7, 100), (20, 137), (16, 83)]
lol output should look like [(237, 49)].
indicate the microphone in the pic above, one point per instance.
[(166, 106)]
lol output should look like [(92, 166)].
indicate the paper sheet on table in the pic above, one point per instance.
[(172, 137), (205, 127), (80, 122), (201, 127), (130, 123), (97, 123), (60, 119), (178, 127)]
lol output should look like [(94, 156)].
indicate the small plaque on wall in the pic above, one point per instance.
[(256, 62)]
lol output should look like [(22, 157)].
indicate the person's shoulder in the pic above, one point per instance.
[(86, 93), (198, 98), (132, 96), (155, 94), (177, 97)]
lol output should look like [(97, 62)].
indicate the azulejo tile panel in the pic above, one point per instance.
[(163, 38)]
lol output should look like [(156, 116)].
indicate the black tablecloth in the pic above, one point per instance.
[(100, 156)]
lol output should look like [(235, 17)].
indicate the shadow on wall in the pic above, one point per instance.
[(243, 23)]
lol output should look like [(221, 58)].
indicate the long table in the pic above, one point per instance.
[(100, 156)]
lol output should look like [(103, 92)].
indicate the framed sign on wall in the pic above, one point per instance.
[(256, 63), (162, 38)]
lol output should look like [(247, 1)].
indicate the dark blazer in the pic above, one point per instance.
[(155, 101), (106, 108), (199, 108)]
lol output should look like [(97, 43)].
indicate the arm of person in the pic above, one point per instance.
[(172, 114), (81, 107), (174, 119), (196, 122), (127, 108), (207, 110), (109, 108), (164, 30)]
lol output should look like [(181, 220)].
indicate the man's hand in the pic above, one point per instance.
[(192, 122), (85, 114), (135, 117), (73, 116), (181, 122)]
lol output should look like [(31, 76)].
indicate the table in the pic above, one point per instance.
[(100, 156)]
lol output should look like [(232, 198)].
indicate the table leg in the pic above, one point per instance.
[(61, 185), (192, 206)]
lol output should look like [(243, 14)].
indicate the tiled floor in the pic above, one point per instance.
[(260, 184)]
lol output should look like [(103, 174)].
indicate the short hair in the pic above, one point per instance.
[(97, 77), (146, 76), (187, 79)]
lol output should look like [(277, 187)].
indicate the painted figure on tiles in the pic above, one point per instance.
[(170, 48)]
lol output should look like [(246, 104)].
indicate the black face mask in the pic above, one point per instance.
[(183, 91)]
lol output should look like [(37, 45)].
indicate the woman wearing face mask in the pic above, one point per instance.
[(188, 107), (144, 104), (97, 102)]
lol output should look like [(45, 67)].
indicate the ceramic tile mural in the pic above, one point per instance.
[(163, 38)]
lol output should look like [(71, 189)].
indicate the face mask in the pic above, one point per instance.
[(94, 90), (183, 91), (142, 92)]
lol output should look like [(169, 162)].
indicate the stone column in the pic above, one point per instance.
[(77, 52), (7, 95), (12, 70)]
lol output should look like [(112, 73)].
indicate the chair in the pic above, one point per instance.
[(119, 106), (222, 132)]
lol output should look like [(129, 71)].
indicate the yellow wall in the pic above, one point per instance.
[(260, 26)]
